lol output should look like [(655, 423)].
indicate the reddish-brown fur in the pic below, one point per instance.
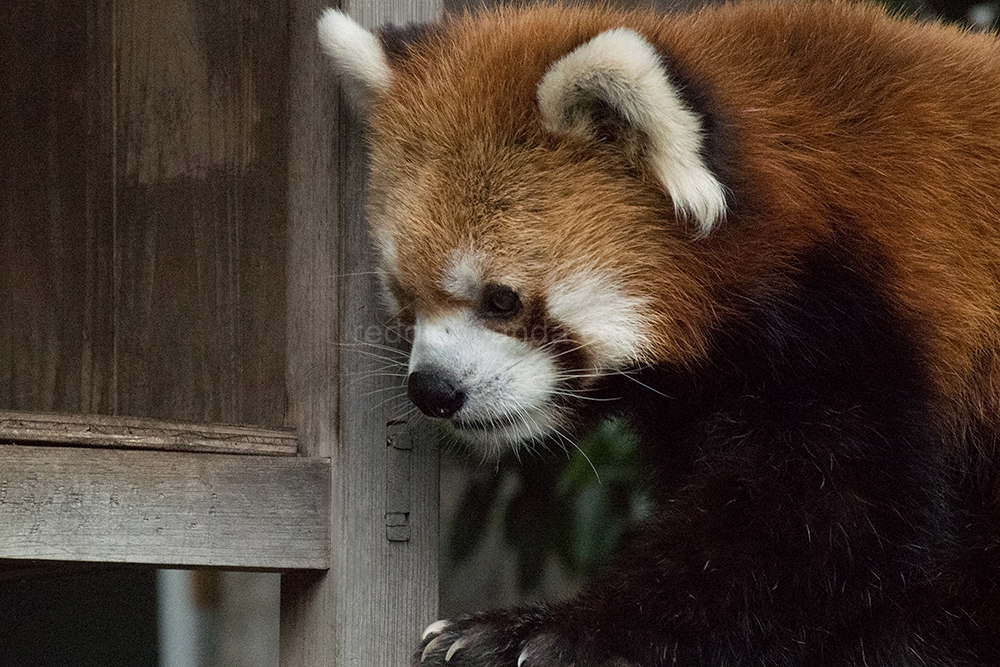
[(896, 124), (815, 380)]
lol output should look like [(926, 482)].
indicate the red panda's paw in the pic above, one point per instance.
[(504, 639)]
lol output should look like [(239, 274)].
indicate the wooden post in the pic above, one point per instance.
[(381, 589)]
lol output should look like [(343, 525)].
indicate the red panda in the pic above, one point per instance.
[(768, 235)]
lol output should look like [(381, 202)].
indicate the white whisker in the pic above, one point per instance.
[(642, 384), (566, 439)]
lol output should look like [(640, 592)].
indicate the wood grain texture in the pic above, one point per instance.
[(380, 593), (136, 433), (143, 200), (45, 58), (163, 508), (201, 206), (184, 240)]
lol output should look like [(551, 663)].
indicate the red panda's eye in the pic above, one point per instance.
[(499, 302)]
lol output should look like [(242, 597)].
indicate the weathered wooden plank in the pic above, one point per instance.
[(97, 377), (163, 508), (382, 586), (143, 208), (200, 210), (136, 433), (45, 61)]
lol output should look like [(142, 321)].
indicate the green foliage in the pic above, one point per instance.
[(576, 508), (605, 483)]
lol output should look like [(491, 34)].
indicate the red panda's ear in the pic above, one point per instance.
[(616, 85), (357, 55)]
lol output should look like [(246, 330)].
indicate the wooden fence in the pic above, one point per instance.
[(183, 246)]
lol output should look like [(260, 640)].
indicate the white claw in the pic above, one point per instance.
[(434, 643), (522, 658), (461, 642), (434, 628)]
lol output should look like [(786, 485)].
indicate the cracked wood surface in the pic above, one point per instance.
[(163, 508), (137, 433)]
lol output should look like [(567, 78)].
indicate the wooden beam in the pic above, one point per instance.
[(136, 433), (381, 589), (163, 508)]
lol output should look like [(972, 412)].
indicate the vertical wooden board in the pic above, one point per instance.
[(313, 240), (46, 69), (310, 633), (200, 210), (143, 209), (97, 369), (379, 593), (313, 235), (373, 394)]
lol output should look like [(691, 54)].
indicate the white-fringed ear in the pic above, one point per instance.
[(358, 57), (618, 73)]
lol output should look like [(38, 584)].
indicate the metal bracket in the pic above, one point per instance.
[(398, 463)]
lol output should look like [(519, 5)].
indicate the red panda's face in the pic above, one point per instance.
[(530, 253), (518, 297)]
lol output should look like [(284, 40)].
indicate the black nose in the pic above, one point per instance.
[(436, 393)]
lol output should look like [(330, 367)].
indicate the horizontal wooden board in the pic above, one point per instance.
[(136, 433), (164, 508)]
